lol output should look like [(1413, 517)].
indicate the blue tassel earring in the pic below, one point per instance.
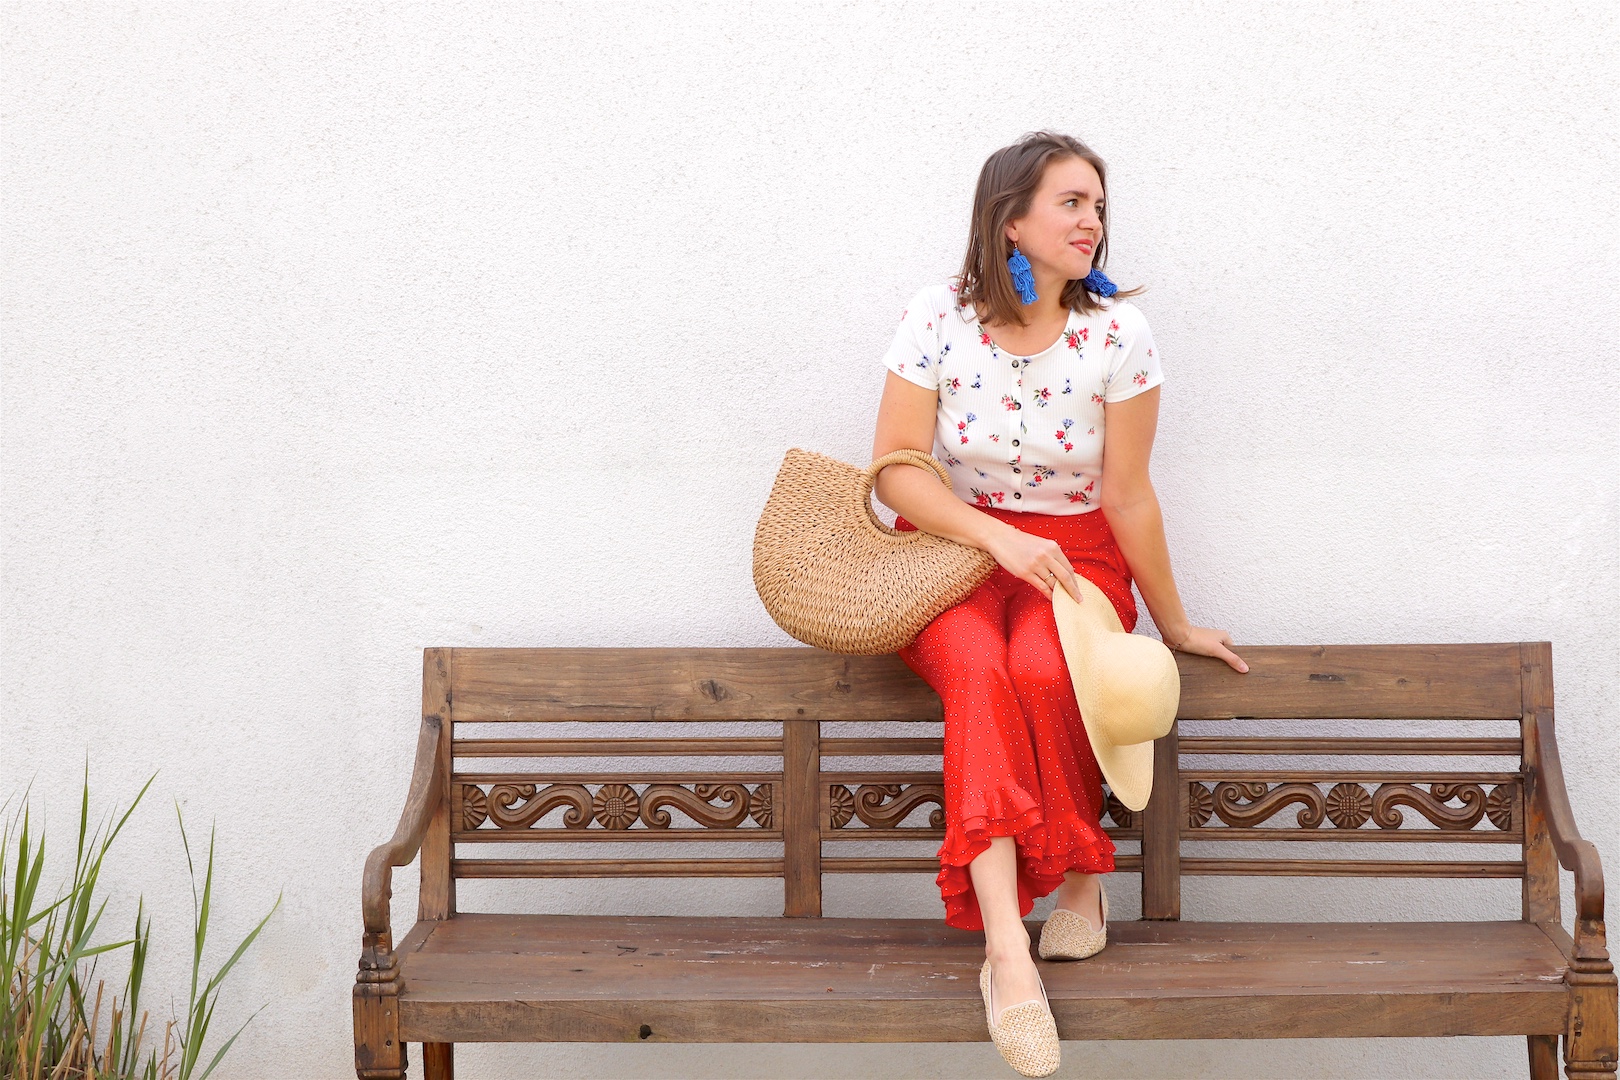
[(1023, 280), (1098, 282)]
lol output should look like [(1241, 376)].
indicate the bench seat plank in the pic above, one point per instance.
[(662, 978)]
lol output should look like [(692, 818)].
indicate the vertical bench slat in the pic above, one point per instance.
[(437, 898), (1541, 883), (1161, 832), (801, 818)]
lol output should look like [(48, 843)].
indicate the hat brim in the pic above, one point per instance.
[(1127, 767)]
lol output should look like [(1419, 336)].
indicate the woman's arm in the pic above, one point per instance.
[(906, 418), (1132, 509)]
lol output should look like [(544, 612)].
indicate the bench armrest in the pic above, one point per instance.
[(427, 788), (1574, 854)]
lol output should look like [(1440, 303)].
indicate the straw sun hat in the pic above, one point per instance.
[(1128, 687)]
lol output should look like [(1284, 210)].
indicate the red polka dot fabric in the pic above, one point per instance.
[(1017, 760)]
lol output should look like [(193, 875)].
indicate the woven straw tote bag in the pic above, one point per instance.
[(833, 575)]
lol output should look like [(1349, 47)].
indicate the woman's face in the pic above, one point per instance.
[(1060, 233)]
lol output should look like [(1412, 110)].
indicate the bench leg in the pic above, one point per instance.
[(1543, 1057), (1590, 1044), (378, 1052), (439, 1061)]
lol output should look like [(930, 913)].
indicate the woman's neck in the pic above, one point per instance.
[(1049, 306), (1049, 288)]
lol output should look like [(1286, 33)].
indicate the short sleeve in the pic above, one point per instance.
[(1133, 359), (914, 353)]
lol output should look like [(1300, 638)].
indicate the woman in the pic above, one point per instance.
[(1045, 408)]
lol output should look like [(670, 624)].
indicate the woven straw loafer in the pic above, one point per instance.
[(1068, 935), (1027, 1035)]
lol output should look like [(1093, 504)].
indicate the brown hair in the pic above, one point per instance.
[(1007, 183)]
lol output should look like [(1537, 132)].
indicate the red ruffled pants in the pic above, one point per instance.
[(1017, 760)]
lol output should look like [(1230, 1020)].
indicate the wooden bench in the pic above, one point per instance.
[(464, 977)]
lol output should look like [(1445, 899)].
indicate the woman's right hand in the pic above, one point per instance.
[(1034, 559)]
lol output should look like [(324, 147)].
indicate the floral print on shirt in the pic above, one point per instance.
[(985, 396)]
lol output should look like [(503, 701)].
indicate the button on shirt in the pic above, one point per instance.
[(1023, 432)]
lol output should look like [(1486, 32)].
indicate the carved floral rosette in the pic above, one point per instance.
[(1119, 814), (1456, 805), (616, 807), (882, 806)]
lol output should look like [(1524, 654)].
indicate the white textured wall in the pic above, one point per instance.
[(336, 331)]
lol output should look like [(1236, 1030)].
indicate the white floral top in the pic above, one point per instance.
[(1023, 432)]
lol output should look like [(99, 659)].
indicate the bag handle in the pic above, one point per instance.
[(905, 456)]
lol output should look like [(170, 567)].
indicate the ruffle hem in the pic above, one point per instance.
[(1046, 849)]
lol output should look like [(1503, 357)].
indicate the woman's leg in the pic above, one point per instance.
[(1074, 850), (992, 786), (1006, 943), (1082, 894)]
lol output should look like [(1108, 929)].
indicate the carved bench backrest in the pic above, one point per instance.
[(806, 785)]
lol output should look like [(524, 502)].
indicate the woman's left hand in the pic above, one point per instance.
[(1207, 641)]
